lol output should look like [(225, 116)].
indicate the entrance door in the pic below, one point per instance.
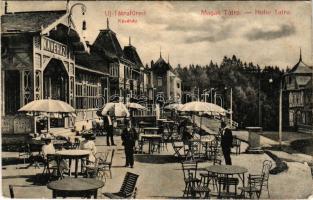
[(12, 91), (56, 81)]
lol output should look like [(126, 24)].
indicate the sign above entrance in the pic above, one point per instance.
[(54, 47)]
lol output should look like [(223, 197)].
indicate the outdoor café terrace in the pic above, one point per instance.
[(166, 166)]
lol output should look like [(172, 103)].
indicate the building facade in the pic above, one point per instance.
[(44, 56), (165, 82), (38, 62), (298, 89)]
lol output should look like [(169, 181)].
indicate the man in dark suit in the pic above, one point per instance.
[(108, 126), (129, 137), (226, 142)]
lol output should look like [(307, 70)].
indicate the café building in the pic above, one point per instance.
[(39, 58)]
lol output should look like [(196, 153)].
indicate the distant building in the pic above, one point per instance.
[(124, 66), (165, 81), (299, 89)]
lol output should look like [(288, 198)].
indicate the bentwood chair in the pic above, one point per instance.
[(210, 178), (52, 167), (236, 144), (267, 165), (254, 186), (190, 176), (230, 184), (96, 169), (177, 148), (106, 166), (257, 179)]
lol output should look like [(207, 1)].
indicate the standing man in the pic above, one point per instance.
[(129, 137), (108, 126), (226, 142)]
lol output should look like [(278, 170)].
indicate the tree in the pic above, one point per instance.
[(244, 79)]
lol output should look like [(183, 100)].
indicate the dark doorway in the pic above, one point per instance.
[(12, 91), (55, 81)]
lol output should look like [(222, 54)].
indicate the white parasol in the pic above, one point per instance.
[(203, 108), (174, 106), (116, 109), (50, 106)]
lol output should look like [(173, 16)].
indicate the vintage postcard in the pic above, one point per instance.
[(157, 99)]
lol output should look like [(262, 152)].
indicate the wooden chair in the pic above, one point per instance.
[(52, 167), (227, 183), (11, 189), (106, 166), (128, 188), (210, 178), (267, 165), (156, 145), (24, 152), (177, 148), (190, 176), (200, 188), (236, 145), (255, 184)]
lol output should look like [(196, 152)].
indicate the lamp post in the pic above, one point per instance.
[(83, 9), (204, 93), (211, 95), (280, 112), (259, 103), (221, 99), (231, 106)]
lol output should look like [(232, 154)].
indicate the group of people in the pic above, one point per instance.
[(129, 136), (225, 134)]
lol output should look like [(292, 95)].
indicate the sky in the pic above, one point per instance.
[(265, 33)]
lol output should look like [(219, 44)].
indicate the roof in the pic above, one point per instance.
[(94, 61), (161, 66), (301, 68), (32, 21), (131, 54), (91, 70), (108, 43)]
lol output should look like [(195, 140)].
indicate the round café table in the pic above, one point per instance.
[(227, 170), (73, 154), (75, 187)]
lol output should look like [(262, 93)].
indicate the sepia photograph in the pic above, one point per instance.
[(156, 99)]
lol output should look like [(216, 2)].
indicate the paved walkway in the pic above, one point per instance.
[(161, 175)]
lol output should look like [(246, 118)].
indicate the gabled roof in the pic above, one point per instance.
[(94, 61), (41, 22), (131, 54), (108, 43), (160, 66), (33, 21), (300, 68)]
